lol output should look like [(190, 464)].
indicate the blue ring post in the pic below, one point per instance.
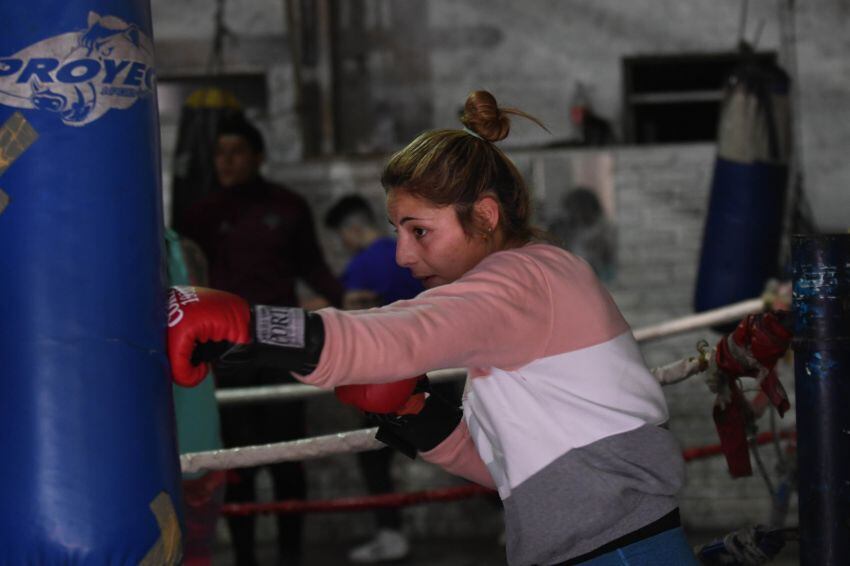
[(89, 472), (821, 300)]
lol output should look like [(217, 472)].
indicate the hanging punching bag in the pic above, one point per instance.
[(194, 170), (743, 229), (89, 471)]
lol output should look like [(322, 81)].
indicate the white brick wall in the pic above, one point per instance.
[(662, 196)]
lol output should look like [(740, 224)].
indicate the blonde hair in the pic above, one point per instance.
[(458, 167)]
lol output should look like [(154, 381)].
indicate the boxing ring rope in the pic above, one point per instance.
[(292, 451), (700, 452), (299, 391), (722, 315), (359, 503), (364, 439), (394, 500)]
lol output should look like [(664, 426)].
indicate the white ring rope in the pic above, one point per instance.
[(681, 370), (298, 391), (364, 439), (293, 451), (292, 392), (722, 315)]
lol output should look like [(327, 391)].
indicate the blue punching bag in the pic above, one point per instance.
[(89, 471), (743, 229)]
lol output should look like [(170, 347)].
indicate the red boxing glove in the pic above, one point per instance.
[(398, 397), (202, 325)]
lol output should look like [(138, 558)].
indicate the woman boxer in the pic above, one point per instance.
[(560, 413)]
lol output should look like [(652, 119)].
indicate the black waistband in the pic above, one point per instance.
[(665, 523)]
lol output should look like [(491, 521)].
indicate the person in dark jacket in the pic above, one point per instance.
[(259, 238)]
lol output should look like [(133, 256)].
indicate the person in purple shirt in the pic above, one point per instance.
[(372, 278)]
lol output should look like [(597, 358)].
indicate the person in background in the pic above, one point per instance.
[(198, 430), (373, 278), (259, 238), (582, 228)]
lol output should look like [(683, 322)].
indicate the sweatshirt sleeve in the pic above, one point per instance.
[(457, 455), (497, 315)]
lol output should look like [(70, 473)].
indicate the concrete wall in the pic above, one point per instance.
[(532, 54), (823, 67)]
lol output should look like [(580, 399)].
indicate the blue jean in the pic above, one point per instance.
[(669, 548)]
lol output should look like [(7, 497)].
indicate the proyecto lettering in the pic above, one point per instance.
[(49, 70)]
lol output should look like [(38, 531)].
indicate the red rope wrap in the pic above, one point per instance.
[(751, 350), (700, 452)]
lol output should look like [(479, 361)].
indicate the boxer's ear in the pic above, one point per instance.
[(486, 215)]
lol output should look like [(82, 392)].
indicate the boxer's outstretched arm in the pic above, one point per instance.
[(499, 317)]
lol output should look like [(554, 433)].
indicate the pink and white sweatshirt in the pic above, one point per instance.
[(560, 413)]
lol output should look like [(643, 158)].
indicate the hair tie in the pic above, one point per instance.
[(473, 133)]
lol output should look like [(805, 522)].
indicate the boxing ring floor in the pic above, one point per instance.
[(434, 551)]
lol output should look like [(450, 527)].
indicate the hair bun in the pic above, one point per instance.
[(482, 115)]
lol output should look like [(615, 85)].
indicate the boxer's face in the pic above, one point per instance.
[(236, 162), (431, 240)]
